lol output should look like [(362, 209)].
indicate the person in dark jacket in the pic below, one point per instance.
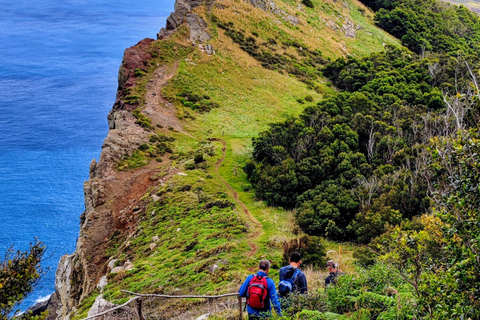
[(333, 273), (272, 298), (288, 271)]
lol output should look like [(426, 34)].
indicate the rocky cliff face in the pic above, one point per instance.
[(111, 196)]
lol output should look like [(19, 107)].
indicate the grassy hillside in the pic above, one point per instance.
[(472, 4), (208, 215)]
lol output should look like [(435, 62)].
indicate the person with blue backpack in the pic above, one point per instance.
[(292, 279), (260, 291)]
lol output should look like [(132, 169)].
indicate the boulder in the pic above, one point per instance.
[(102, 283), (111, 264), (197, 28), (349, 29), (100, 305)]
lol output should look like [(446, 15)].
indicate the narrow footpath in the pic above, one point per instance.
[(257, 230)]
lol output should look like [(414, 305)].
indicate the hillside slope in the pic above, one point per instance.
[(474, 5), (168, 207)]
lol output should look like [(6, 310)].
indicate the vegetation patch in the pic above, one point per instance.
[(159, 145), (196, 102), (305, 65)]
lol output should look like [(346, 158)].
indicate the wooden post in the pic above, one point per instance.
[(139, 309), (240, 306)]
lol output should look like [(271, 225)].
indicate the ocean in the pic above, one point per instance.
[(59, 62)]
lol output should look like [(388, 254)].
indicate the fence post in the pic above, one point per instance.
[(240, 306), (139, 309)]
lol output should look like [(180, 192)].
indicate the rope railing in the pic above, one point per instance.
[(110, 310), (138, 298)]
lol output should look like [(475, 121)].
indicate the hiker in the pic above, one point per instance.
[(260, 291), (333, 273), (292, 279)]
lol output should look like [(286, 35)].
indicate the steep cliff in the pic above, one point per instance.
[(219, 73)]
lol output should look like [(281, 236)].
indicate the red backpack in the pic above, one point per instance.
[(257, 292)]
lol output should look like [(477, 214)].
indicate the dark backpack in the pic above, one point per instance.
[(257, 292), (287, 285)]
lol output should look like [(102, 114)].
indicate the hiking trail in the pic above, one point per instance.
[(257, 226)]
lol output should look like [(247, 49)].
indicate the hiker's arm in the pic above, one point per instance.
[(243, 289), (272, 291), (302, 283)]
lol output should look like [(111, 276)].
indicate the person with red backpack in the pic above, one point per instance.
[(260, 292)]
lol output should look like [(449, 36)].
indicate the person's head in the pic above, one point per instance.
[(331, 266), (296, 259), (264, 266)]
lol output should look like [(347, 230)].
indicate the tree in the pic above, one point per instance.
[(19, 273)]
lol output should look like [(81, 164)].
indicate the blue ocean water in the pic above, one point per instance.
[(59, 63)]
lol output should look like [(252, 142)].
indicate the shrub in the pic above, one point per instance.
[(20, 272), (139, 72), (198, 158), (311, 301), (310, 248), (308, 3), (365, 257)]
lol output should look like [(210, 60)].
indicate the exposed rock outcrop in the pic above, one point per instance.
[(182, 7), (107, 193), (197, 28), (349, 29), (270, 6)]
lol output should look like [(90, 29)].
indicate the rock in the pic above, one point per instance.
[(332, 25), (102, 283), (269, 5), (197, 28), (118, 269), (93, 166), (153, 246), (173, 21), (178, 230), (155, 238), (111, 264), (349, 29), (293, 20), (182, 174), (39, 307), (100, 305), (213, 268), (208, 49), (182, 8), (66, 296), (203, 317), (128, 265)]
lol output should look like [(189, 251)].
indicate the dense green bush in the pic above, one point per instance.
[(429, 25), (375, 290), (310, 248), (352, 165), (308, 3)]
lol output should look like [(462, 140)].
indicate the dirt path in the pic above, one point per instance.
[(163, 112), (157, 108), (257, 226)]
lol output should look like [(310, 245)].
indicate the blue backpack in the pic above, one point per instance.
[(287, 285)]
